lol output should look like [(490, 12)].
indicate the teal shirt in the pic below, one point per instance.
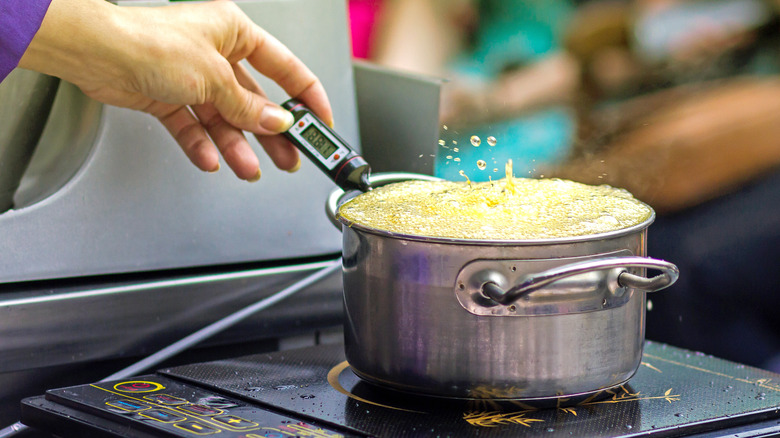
[(513, 33)]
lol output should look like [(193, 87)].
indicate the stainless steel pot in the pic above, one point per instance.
[(494, 319)]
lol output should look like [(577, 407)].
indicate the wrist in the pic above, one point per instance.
[(76, 37)]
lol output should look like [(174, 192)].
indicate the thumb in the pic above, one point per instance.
[(250, 111)]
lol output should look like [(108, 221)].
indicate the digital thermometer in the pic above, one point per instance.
[(328, 151)]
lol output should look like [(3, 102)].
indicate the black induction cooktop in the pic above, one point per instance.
[(312, 392)]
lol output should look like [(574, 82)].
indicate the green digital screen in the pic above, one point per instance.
[(319, 141)]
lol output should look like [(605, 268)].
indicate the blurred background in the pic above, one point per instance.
[(677, 101)]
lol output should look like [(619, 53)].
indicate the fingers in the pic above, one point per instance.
[(283, 154), (244, 109), (191, 137), (230, 141), (235, 102), (273, 59)]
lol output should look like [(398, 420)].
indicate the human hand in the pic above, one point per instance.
[(180, 63)]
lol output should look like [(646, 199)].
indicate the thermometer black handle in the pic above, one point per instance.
[(328, 151)]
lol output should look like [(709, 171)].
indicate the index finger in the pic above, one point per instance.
[(274, 60)]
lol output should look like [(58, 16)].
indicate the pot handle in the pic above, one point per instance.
[(534, 282), (338, 196)]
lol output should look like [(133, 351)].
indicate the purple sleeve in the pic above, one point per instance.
[(19, 21)]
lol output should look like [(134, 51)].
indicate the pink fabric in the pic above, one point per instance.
[(362, 17)]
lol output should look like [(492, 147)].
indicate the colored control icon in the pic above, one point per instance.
[(235, 422), (138, 386), (128, 405), (197, 428), (162, 415), (196, 409)]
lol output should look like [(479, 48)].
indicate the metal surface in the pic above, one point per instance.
[(399, 118), (26, 98), (45, 326), (408, 285), (587, 292), (614, 283)]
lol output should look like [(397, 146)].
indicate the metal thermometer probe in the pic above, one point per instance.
[(328, 151)]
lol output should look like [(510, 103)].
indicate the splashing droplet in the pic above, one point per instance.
[(481, 164), (445, 127), (442, 142), (491, 141), (463, 174), (510, 184), (455, 150), (456, 159), (475, 141)]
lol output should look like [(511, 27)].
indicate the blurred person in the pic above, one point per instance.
[(680, 104), (507, 77), (178, 63), (670, 86)]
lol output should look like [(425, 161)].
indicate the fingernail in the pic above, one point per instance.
[(214, 170), (296, 167), (276, 119), (329, 124), (256, 177)]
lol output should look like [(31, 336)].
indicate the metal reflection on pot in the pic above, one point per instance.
[(518, 319)]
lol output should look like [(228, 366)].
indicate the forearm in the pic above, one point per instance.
[(71, 41)]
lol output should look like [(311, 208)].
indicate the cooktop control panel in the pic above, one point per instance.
[(312, 392), (159, 406)]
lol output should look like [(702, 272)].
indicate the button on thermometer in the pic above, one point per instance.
[(328, 151)]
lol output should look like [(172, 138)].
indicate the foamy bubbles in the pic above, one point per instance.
[(514, 209)]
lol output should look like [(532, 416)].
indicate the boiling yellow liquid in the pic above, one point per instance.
[(508, 209)]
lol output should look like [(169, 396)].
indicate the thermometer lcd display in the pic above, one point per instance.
[(320, 142)]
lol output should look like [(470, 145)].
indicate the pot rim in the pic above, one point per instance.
[(481, 242), (339, 197)]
